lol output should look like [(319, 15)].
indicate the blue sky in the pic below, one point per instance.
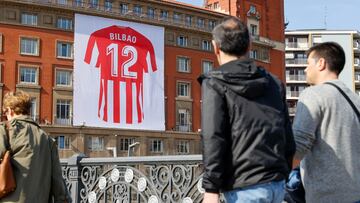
[(317, 14)]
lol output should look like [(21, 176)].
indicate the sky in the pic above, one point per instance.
[(317, 14)]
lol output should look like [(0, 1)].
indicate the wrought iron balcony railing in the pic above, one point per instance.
[(183, 128), (296, 61), (165, 179), (292, 94), (296, 78), (296, 45), (63, 121)]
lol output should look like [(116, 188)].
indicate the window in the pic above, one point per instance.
[(137, 9), (188, 20), (1, 68), (253, 30), (295, 74), (96, 143), (125, 142), (63, 2), (164, 15), (317, 40), (183, 64), (182, 41), (252, 9), (33, 113), (294, 91), (65, 50), (177, 17), (253, 54), (184, 120), (29, 46), (64, 23), (124, 8), (63, 142), (63, 77), (200, 22), (183, 89), (151, 13), (206, 45), (79, 3), (28, 75), (212, 24), (207, 66), (1, 36), (216, 5), (94, 3), (261, 53), (63, 111), (29, 19), (183, 147), (108, 5), (156, 146)]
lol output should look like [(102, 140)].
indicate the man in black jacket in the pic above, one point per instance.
[(246, 134)]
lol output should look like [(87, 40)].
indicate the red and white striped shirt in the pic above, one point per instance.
[(124, 56)]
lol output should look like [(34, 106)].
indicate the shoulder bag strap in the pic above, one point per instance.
[(7, 126), (346, 97)]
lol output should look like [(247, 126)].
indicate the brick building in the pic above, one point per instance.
[(36, 56), (265, 20)]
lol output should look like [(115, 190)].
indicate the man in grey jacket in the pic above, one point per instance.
[(327, 130), (35, 159)]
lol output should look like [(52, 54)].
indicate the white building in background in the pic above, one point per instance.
[(297, 42)]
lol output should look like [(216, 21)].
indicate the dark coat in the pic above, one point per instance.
[(246, 131)]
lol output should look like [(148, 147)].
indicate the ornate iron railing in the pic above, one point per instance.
[(152, 179)]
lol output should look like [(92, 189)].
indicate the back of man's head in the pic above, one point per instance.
[(333, 54), (232, 36)]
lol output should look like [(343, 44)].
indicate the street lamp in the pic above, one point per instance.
[(113, 149), (132, 146)]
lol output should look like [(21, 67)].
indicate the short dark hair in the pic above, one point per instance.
[(232, 36), (333, 54)]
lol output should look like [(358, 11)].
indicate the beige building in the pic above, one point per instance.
[(297, 42)]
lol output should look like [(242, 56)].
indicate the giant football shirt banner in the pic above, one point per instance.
[(118, 74)]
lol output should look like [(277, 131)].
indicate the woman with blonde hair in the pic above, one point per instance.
[(35, 158)]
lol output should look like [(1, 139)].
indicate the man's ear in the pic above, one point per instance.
[(216, 47), (321, 64)]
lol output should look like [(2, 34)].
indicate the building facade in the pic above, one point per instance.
[(265, 20), (37, 56), (297, 42)]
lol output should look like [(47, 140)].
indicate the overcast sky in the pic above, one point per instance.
[(317, 14)]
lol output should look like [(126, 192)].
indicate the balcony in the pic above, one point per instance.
[(150, 179), (296, 62), (292, 94), (357, 78), (356, 46), (295, 78), (296, 46), (63, 121), (96, 8), (292, 110), (183, 128), (357, 63)]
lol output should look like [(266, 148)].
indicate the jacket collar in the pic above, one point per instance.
[(24, 118)]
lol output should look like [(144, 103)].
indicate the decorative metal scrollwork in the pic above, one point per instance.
[(152, 183)]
